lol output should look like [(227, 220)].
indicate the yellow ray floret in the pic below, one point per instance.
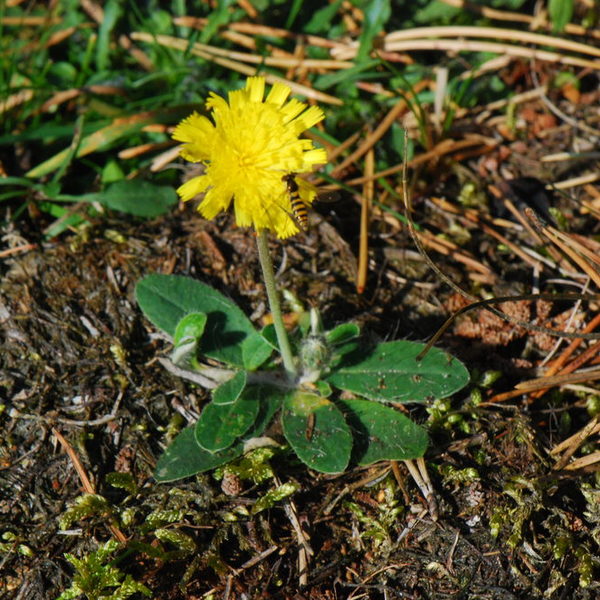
[(249, 144)]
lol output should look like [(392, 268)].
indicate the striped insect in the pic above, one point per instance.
[(299, 208)]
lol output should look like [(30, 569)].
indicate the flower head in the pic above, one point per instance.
[(250, 144)]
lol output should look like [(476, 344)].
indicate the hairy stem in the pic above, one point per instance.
[(267, 269)]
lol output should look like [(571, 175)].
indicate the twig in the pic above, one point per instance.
[(376, 135), (570, 445), (443, 148), (304, 550), (554, 380), (17, 249), (400, 480), (365, 212), (584, 461), (569, 350), (568, 325), (85, 480), (247, 565), (418, 471), (411, 526), (559, 239), (471, 217), (575, 181), (482, 303), (543, 384), (574, 123), (372, 477)]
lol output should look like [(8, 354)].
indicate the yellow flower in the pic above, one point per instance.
[(252, 144)]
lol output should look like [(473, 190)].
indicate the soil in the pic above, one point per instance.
[(79, 364)]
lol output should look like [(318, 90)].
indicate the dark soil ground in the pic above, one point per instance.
[(79, 363)]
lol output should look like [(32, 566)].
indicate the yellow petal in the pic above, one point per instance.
[(307, 119), (215, 201), (256, 88), (249, 145), (278, 94), (193, 187)]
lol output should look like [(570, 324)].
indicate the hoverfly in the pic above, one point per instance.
[(299, 207)]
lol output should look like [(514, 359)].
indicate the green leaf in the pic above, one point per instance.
[(273, 496), (269, 398), (391, 373), (564, 78), (349, 75), (222, 13), (124, 481), (17, 181), (64, 219), (382, 433), (135, 197), (561, 12), (229, 392), (343, 333), (321, 20), (255, 466), (376, 14), (186, 339), (106, 137), (112, 172), (221, 424), (323, 388), (166, 299), (269, 334), (184, 458), (112, 12), (255, 352), (190, 328), (317, 431), (184, 543), (293, 11)]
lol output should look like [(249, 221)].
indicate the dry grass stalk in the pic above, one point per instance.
[(534, 22), (365, 212), (260, 30), (181, 44), (495, 33)]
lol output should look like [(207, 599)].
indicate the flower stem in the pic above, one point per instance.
[(267, 268)]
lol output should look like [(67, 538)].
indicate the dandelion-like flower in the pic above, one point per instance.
[(251, 145)]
